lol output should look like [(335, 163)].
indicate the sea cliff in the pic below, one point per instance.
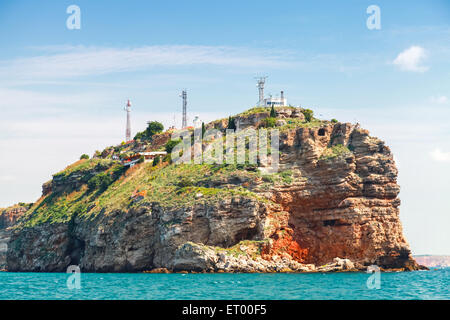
[(332, 206)]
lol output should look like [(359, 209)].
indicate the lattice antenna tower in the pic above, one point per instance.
[(183, 95), (260, 85)]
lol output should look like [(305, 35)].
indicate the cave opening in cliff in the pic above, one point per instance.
[(75, 250), (329, 223), (321, 132), (246, 234)]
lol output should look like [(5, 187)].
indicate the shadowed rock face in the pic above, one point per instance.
[(138, 240), (341, 202)]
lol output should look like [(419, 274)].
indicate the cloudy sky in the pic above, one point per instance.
[(62, 91)]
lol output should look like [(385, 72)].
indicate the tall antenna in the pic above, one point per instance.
[(260, 84), (128, 131), (184, 96)]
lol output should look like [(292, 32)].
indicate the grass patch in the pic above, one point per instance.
[(56, 208), (334, 152), (294, 123), (286, 176), (269, 178), (171, 186), (254, 110), (253, 248), (84, 165)]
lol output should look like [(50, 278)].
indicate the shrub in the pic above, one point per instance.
[(106, 181), (269, 122), (153, 128), (268, 178), (273, 114), (251, 167), (156, 161), (84, 156), (309, 114), (286, 176), (334, 121), (93, 183), (185, 182), (231, 123), (118, 171), (100, 181), (203, 129), (140, 136), (171, 144), (167, 158)]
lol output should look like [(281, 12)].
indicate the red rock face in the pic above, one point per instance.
[(284, 244), (9, 216), (343, 206)]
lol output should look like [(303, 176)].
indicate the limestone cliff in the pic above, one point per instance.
[(333, 205), (8, 217)]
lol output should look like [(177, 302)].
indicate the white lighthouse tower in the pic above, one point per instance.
[(128, 131)]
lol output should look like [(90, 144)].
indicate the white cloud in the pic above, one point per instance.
[(6, 178), (439, 99), (440, 156), (27, 100), (411, 59), (109, 128), (68, 62)]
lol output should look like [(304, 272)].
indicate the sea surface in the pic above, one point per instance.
[(433, 284)]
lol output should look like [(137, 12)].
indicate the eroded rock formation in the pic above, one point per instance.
[(344, 206)]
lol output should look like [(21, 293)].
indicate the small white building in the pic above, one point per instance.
[(197, 122), (275, 101), (148, 156)]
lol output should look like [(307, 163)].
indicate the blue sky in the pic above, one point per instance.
[(62, 91)]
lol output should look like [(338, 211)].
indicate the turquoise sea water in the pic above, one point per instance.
[(432, 284)]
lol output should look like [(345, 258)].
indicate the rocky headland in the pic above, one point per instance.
[(332, 206)]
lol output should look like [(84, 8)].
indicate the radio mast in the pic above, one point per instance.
[(128, 131), (183, 95)]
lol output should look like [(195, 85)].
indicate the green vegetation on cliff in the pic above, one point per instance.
[(84, 165), (171, 186), (335, 151)]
